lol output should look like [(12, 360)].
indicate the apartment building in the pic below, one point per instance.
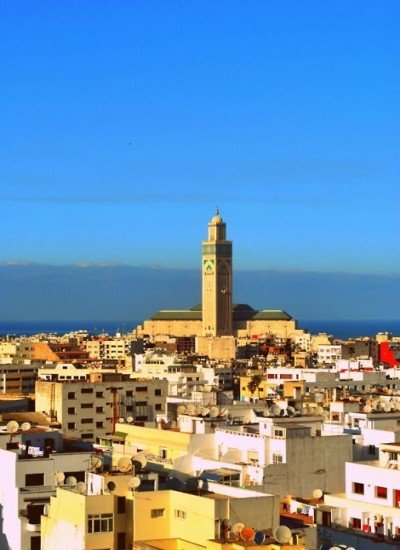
[(89, 410), (106, 513), (29, 483), (369, 511)]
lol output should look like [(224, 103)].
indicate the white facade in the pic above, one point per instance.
[(26, 488), (329, 354)]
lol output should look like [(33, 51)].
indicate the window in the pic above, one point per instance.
[(279, 434), (87, 420), (35, 543), (157, 512), (99, 409), (129, 393), (100, 523), (121, 505), (163, 452), (87, 436), (141, 389), (358, 488), (157, 392), (87, 390), (355, 523), (181, 514), (99, 394), (71, 410), (71, 395), (371, 449), (71, 425), (121, 541), (32, 480), (380, 492), (158, 407), (277, 458), (99, 424), (87, 406)]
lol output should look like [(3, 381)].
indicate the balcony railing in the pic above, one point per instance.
[(37, 489)]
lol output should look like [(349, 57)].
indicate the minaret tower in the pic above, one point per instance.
[(217, 280)]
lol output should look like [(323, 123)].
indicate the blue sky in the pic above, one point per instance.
[(123, 124)]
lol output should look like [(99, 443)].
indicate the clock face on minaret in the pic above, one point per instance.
[(217, 280)]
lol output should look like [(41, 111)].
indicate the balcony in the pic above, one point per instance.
[(37, 489)]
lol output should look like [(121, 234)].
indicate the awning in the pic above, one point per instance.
[(220, 474)]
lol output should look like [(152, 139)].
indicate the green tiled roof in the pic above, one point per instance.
[(272, 314), (241, 312), (177, 315)]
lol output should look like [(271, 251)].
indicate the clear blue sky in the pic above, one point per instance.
[(124, 123)]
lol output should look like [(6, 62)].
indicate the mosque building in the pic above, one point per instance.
[(217, 322)]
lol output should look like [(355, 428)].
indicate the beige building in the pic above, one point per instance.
[(217, 321), (105, 513), (89, 410)]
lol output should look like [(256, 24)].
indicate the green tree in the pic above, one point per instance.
[(254, 383)]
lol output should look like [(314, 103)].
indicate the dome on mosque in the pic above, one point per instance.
[(217, 218)]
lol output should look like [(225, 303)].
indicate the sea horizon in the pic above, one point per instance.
[(339, 328)]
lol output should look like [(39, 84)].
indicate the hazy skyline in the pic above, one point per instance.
[(125, 125)]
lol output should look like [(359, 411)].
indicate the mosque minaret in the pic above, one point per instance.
[(217, 280)]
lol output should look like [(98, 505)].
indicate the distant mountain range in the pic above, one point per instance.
[(88, 291)]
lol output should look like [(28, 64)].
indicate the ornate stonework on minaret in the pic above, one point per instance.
[(217, 280)]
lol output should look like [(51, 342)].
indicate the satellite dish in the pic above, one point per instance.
[(60, 477), (134, 483), (247, 534), (121, 420), (130, 419), (266, 413), (225, 412), (25, 426), (190, 409), (317, 493), (283, 534), (259, 537), (319, 411), (12, 426), (80, 487), (96, 462), (124, 464), (71, 481), (198, 410), (275, 410), (367, 409), (181, 409), (205, 411), (310, 411), (237, 529), (214, 412), (138, 462), (282, 412), (111, 486), (291, 411)]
